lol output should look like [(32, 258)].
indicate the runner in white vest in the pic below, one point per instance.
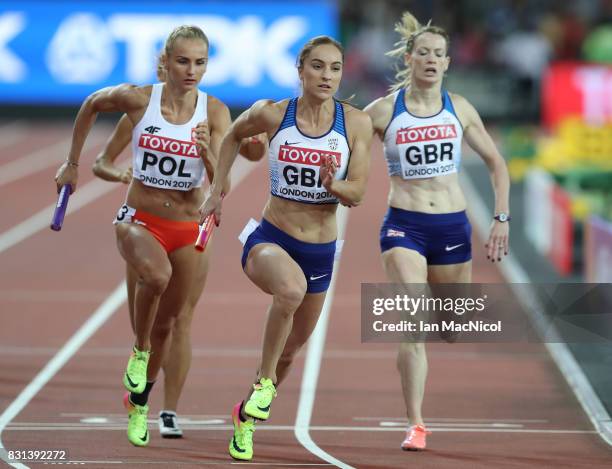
[(177, 364), (319, 156), (175, 127), (426, 236)]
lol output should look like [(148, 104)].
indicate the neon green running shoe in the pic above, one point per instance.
[(135, 376), (241, 444), (258, 405), (137, 431)]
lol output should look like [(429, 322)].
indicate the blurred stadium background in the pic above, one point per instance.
[(538, 71)]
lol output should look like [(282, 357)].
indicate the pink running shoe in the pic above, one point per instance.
[(415, 438)]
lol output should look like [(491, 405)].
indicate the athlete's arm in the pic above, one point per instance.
[(380, 111), (260, 117), (104, 167), (350, 192), (121, 98), (480, 141), (219, 121)]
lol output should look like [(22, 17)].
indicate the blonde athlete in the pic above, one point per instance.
[(425, 236), (178, 359), (319, 156), (175, 124)]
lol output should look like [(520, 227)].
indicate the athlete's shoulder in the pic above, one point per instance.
[(466, 112), (380, 111), (214, 104), (356, 118), (459, 101), (268, 109)]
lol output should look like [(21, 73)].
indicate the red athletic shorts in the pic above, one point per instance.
[(171, 234)]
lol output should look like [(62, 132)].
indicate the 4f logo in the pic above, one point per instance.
[(152, 129)]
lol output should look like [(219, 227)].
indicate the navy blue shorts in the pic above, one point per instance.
[(443, 238), (316, 260)]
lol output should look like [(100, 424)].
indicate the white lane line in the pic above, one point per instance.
[(41, 220), (312, 366), (559, 351), (12, 132), (291, 428), (451, 420), (84, 196), (95, 321), (43, 158)]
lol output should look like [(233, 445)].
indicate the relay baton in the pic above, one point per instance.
[(206, 231), (60, 208)]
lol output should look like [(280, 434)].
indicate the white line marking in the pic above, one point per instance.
[(451, 420), (291, 428), (562, 356), (11, 132), (43, 158), (95, 321), (312, 366), (41, 220)]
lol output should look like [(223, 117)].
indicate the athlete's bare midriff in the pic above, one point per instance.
[(165, 203), (311, 223), (431, 195)]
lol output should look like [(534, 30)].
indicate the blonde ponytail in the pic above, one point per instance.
[(409, 29)]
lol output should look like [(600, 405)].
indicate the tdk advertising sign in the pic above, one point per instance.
[(59, 52)]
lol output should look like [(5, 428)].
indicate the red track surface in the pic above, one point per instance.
[(490, 406)]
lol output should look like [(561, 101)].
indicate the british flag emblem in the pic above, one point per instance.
[(395, 233)]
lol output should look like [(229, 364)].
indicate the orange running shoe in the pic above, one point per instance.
[(415, 438)]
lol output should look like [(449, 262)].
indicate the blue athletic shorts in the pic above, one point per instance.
[(442, 239), (316, 260)]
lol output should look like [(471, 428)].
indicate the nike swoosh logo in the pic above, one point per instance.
[(236, 445), (450, 248), (144, 438), (291, 143), (132, 383), (264, 409), (317, 277)]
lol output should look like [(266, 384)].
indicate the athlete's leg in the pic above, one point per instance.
[(131, 277), (451, 273), (185, 262), (149, 261), (408, 266), (270, 268), (178, 358), (304, 321)]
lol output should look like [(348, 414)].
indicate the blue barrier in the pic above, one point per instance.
[(59, 52)]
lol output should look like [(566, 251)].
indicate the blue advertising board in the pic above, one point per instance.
[(59, 52)]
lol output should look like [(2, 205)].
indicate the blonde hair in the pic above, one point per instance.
[(410, 29), (184, 32)]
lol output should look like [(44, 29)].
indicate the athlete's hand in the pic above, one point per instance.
[(67, 174), (211, 206), (254, 148), (201, 136), (328, 172), (126, 176), (497, 245)]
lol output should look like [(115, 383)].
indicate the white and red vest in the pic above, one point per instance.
[(165, 155)]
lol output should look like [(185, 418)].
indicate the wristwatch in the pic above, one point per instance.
[(502, 217)]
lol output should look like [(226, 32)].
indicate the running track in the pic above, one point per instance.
[(490, 406)]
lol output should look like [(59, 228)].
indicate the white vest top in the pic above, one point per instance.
[(165, 155), (295, 158), (423, 147)]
